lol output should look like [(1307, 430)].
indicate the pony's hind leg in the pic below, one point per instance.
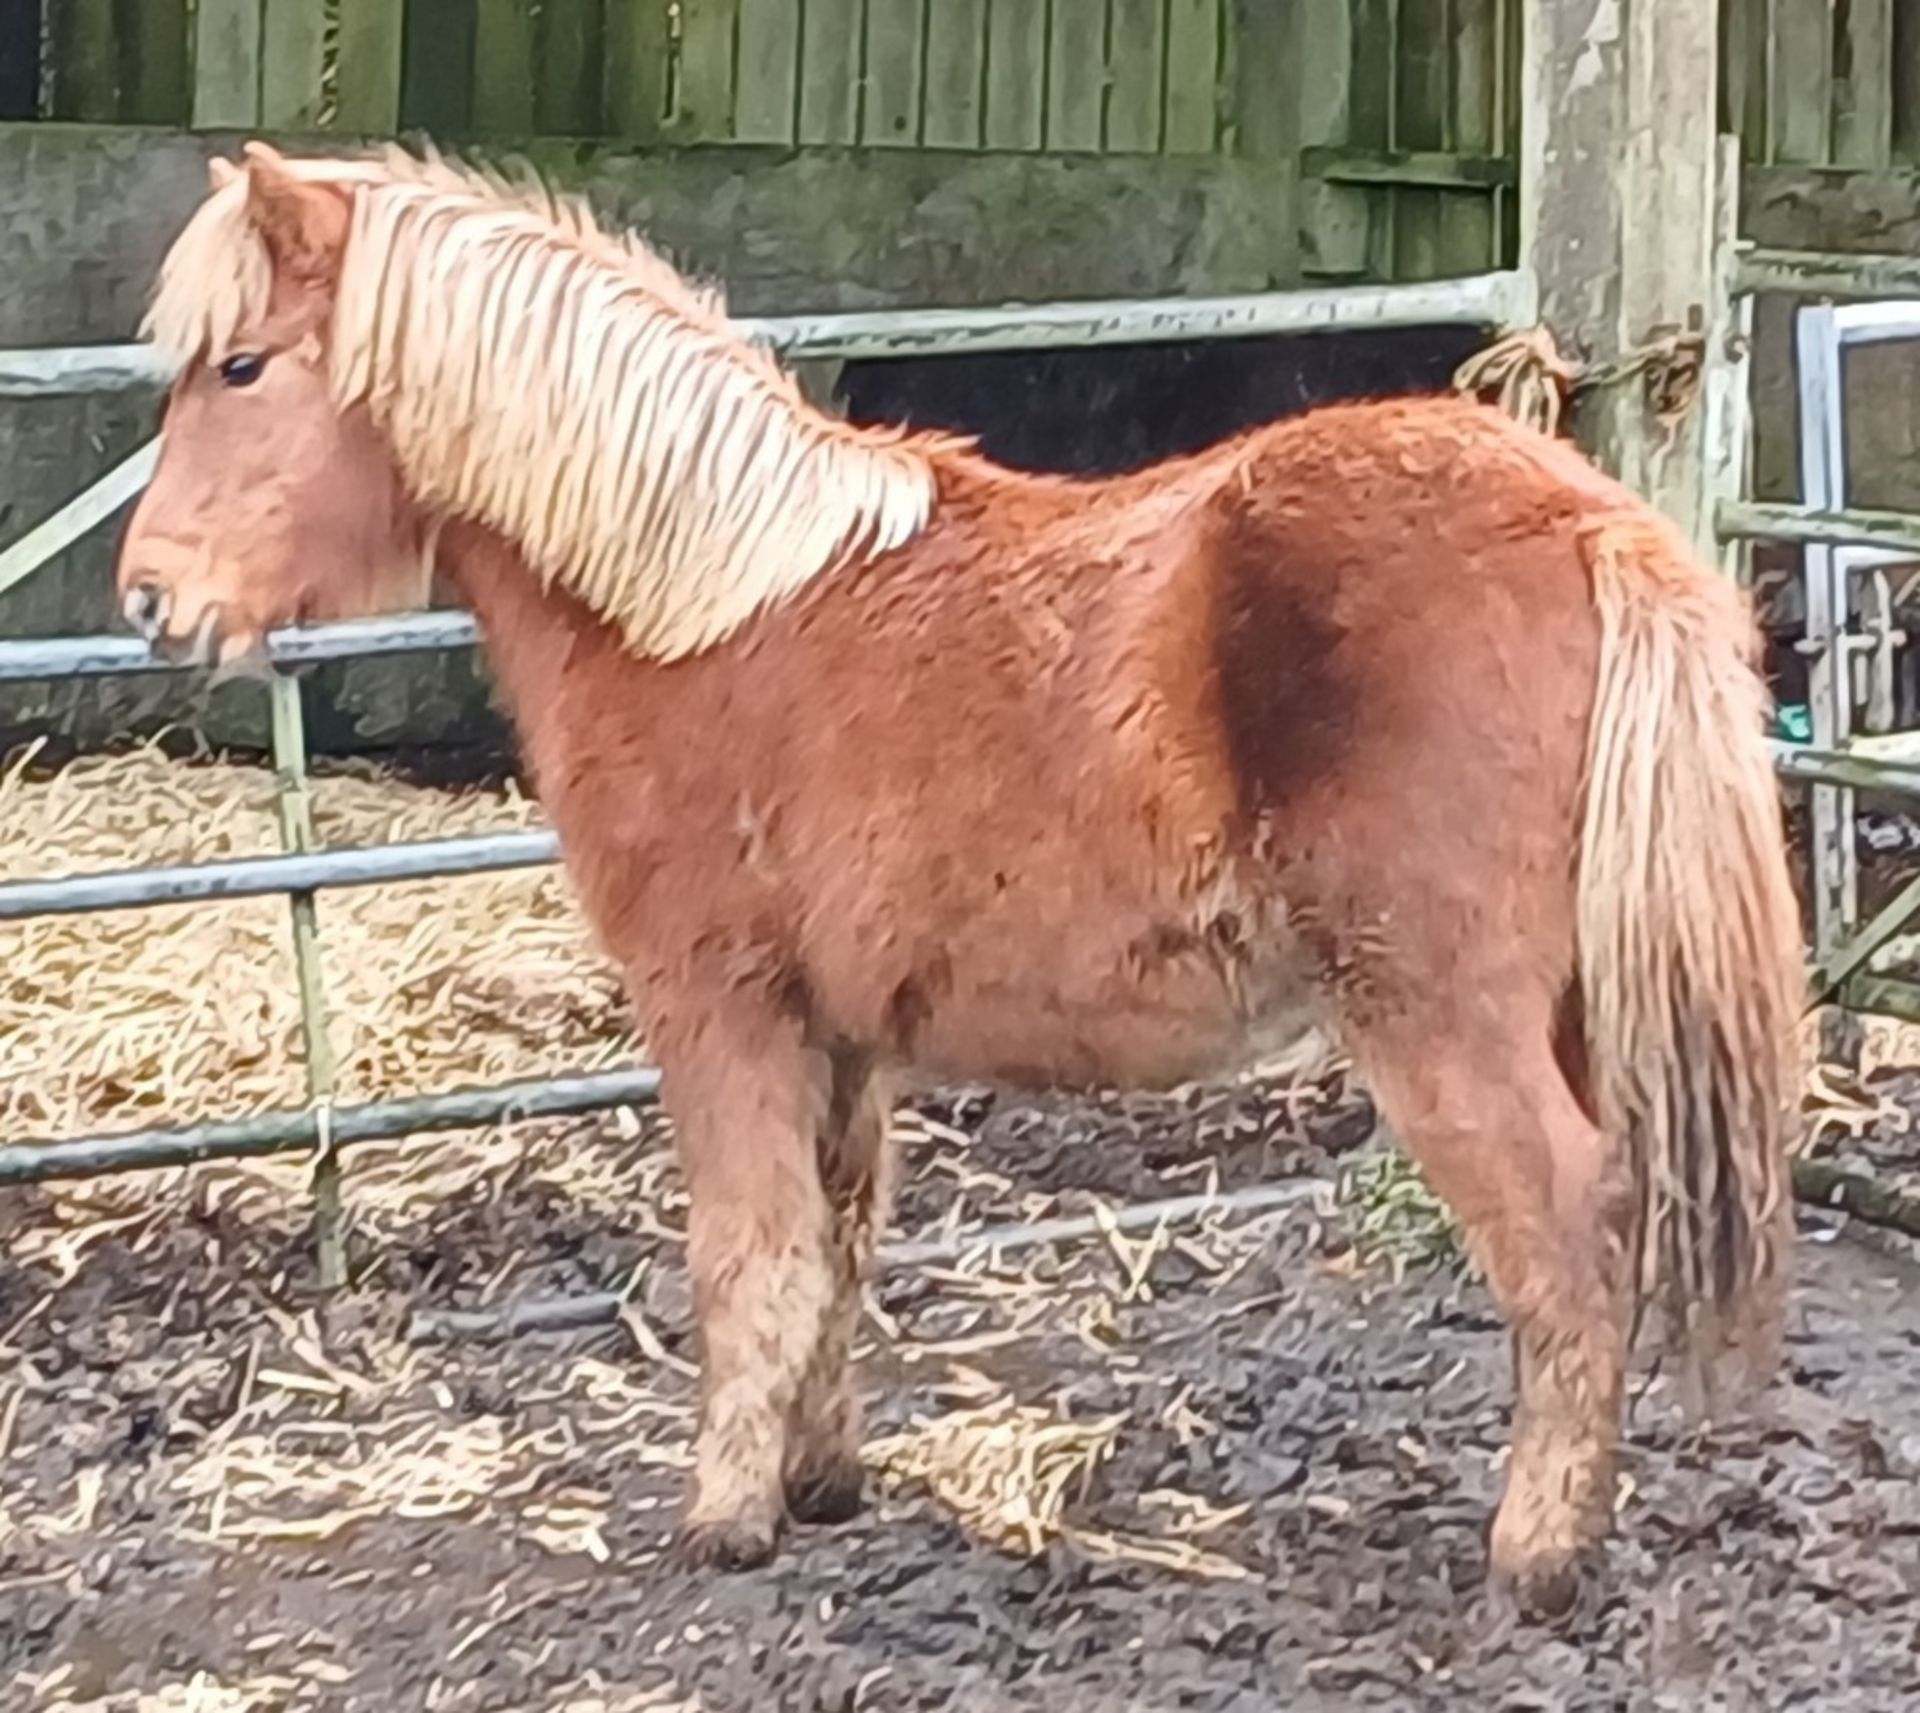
[(825, 1479), (747, 1107), (1488, 1113)]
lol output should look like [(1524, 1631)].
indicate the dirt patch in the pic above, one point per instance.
[(1255, 1472)]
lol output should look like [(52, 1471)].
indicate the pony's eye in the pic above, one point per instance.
[(243, 369)]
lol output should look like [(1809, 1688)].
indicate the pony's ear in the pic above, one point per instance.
[(222, 172), (304, 223)]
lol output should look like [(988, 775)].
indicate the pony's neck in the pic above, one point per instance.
[(538, 639)]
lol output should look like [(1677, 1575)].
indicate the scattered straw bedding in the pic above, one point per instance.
[(113, 1020), (160, 1016)]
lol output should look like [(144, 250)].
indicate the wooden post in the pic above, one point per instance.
[(1726, 379), (226, 65), (1617, 220)]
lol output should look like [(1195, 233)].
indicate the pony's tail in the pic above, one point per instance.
[(1690, 952)]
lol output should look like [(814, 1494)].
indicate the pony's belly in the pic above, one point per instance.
[(1143, 1029)]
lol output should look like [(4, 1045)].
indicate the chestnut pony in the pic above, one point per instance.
[(874, 761)]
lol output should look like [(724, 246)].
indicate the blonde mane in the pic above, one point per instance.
[(567, 387)]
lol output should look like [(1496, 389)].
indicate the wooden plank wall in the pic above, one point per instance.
[(1409, 122), (1060, 76), (1822, 82), (124, 61), (1413, 86)]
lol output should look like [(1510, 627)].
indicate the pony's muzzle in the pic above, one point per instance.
[(148, 607), (145, 608)]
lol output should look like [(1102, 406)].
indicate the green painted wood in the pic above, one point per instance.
[(1077, 75), (954, 107), (638, 48), (503, 39), (1370, 97), (1863, 77), (1335, 221), (1905, 100), (569, 69), (1136, 56), (1423, 75), (703, 111), (1324, 43), (1802, 83), (1743, 75), (1475, 105), (292, 63), (1383, 235), (1016, 75), (1193, 76), (1370, 122), (226, 65), (830, 71), (1266, 84), (372, 42), (1513, 60), (1432, 169), (436, 67), (1422, 119), (766, 102), (1417, 236), (118, 60), (890, 115), (156, 61), (86, 60), (1469, 223)]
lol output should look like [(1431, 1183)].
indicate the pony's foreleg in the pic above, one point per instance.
[(824, 1475), (1496, 1128), (747, 1106)]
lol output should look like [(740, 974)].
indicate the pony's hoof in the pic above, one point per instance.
[(835, 1492), (730, 1545), (1547, 1593)]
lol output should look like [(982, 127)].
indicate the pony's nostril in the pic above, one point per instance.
[(146, 609)]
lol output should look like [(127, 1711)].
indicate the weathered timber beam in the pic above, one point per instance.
[(1812, 273)]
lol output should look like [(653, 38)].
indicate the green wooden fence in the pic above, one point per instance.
[(1817, 82), (1121, 76), (1823, 82), (1393, 122)]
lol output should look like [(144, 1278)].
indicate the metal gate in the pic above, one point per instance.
[(1847, 637)]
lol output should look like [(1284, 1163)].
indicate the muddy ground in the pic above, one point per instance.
[(1240, 1467)]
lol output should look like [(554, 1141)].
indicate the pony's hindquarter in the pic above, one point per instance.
[(1510, 740), (1690, 950)]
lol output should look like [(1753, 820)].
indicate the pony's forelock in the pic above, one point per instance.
[(215, 280)]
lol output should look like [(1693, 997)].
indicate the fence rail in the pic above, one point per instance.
[(1496, 301), (1502, 298), (324, 1128)]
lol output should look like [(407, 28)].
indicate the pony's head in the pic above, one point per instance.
[(272, 502), (371, 346)]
